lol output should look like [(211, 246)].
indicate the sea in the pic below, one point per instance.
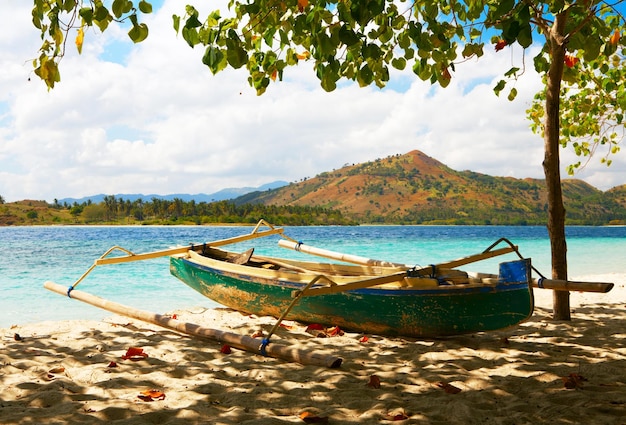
[(32, 255)]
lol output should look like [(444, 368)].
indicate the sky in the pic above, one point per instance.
[(151, 118)]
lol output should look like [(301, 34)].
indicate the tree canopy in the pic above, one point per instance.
[(361, 40)]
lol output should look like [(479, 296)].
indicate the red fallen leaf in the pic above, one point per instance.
[(396, 417), (134, 353), (571, 61), (316, 330), (501, 44), (282, 325), (151, 395), (573, 381), (374, 382), (174, 316), (311, 418), (314, 327), (225, 349), (449, 388), (364, 339), (257, 334), (334, 331), (112, 364)]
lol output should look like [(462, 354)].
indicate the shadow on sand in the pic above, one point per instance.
[(60, 374)]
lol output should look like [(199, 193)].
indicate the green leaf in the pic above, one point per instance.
[(399, 63), (236, 55), (193, 22), (499, 87), (371, 51), (101, 13), (145, 7), (512, 94), (87, 14), (328, 77), (593, 46), (511, 72), (422, 69), (268, 37), (138, 33), (117, 7), (69, 5), (347, 36), (214, 59), (504, 7), (176, 22), (190, 35), (510, 31), (525, 36), (376, 7)]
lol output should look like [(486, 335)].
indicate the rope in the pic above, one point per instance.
[(508, 242), (299, 295)]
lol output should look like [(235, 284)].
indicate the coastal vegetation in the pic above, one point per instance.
[(118, 211)]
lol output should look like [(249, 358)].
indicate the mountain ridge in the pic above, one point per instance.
[(414, 188), (220, 195)]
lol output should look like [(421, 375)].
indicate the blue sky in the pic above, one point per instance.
[(151, 118)]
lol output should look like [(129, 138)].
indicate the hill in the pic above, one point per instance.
[(417, 189)]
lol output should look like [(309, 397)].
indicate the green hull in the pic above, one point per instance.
[(432, 312)]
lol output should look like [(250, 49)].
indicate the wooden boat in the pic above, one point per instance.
[(372, 297)]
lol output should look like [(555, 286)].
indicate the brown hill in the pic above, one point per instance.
[(28, 212), (415, 188)]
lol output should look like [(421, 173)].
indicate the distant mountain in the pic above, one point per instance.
[(221, 195), (416, 189)]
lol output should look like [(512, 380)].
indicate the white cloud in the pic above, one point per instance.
[(155, 120)]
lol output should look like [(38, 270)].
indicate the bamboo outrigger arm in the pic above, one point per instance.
[(242, 342), (355, 259), (131, 256), (571, 285), (543, 283)]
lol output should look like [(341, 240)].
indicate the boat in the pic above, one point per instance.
[(363, 295)]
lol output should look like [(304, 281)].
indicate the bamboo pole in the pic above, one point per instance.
[(371, 262), (242, 342), (570, 285), (348, 258), (181, 250), (361, 284)]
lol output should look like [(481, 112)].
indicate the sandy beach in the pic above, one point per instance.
[(541, 372)]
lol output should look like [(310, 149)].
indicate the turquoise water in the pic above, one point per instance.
[(29, 256)]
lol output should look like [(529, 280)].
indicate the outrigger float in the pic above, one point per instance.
[(355, 293)]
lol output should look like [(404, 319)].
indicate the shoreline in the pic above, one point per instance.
[(542, 371)]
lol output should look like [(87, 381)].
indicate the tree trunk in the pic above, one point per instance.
[(552, 167)]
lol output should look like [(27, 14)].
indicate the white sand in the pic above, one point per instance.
[(59, 373)]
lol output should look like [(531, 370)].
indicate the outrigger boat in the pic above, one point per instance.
[(355, 293), (367, 296)]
